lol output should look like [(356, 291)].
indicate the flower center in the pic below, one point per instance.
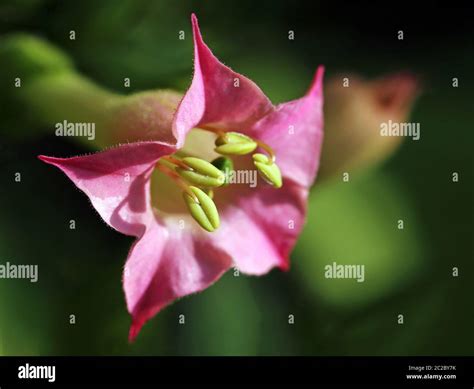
[(199, 180)]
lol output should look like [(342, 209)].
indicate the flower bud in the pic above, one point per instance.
[(270, 172), (225, 165), (203, 210), (203, 173), (234, 143)]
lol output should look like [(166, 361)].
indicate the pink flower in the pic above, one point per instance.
[(136, 188)]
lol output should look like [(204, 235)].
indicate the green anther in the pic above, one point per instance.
[(204, 211), (203, 173), (225, 165), (234, 143), (270, 172)]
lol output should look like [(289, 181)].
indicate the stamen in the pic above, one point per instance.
[(234, 143), (269, 151), (269, 172), (176, 161), (215, 131), (223, 138), (198, 201), (197, 177), (164, 168), (204, 210), (202, 173)]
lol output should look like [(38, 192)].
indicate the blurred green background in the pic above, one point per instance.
[(408, 271)]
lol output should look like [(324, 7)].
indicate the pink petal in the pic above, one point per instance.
[(117, 182), (213, 99), (260, 229), (165, 264), (295, 132)]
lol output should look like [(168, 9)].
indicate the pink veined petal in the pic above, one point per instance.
[(165, 264), (117, 182), (261, 228), (295, 132), (218, 96)]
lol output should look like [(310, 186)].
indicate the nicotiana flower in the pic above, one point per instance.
[(171, 193)]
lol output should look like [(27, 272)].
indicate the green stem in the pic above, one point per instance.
[(41, 88)]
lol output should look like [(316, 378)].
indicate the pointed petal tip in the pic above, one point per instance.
[(285, 266), (317, 83), (54, 161), (46, 159), (200, 46), (195, 25), (320, 72), (134, 331)]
